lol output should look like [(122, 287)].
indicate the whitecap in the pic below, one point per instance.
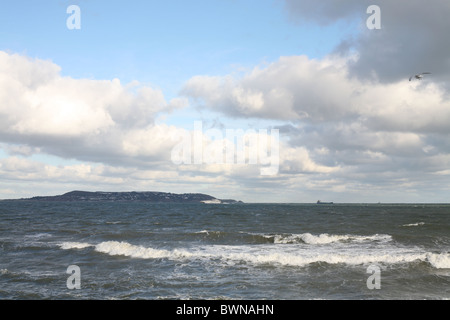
[(326, 238), (135, 251), (296, 255), (439, 260), (414, 224), (74, 245)]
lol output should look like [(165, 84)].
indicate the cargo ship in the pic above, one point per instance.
[(321, 202)]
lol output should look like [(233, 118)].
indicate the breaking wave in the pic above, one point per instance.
[(74, 245), (305, 238), (325, 238), (270, 254), (439, 260), (126, 249)]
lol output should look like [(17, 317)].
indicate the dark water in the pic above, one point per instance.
[(129, 250)]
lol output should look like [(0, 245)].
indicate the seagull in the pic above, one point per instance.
[(418, 76)]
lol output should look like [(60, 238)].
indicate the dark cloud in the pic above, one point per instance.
[(413, 37)]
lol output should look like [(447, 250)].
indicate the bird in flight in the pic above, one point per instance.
[(418, 76)]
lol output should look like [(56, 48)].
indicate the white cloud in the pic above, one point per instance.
[(355, 132), (296, 88), (292, 88), (342, 135), (36, 99), (298, 160), (80, 118)]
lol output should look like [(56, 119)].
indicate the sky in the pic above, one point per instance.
[(260, 101)]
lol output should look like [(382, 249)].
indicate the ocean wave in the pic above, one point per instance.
[(264, 254), (135, 251), (439, 260), (325, 238), (414, 224), (38, 235), (210, 233), (352, 256), (288, 238), (74, 245), (220, 236), (330, 258), (206, 231)]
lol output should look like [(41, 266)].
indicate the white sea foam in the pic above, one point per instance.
[(330, 258), (204, 231), (209, 232), (74, 245), (134, 251), (439, 260), (325, 238), (301, 256), (296, 255), (414, 224), (38, 235)]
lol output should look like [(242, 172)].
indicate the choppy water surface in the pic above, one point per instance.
[(135, 250)]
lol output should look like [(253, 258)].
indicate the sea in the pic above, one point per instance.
[(172, 251)]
